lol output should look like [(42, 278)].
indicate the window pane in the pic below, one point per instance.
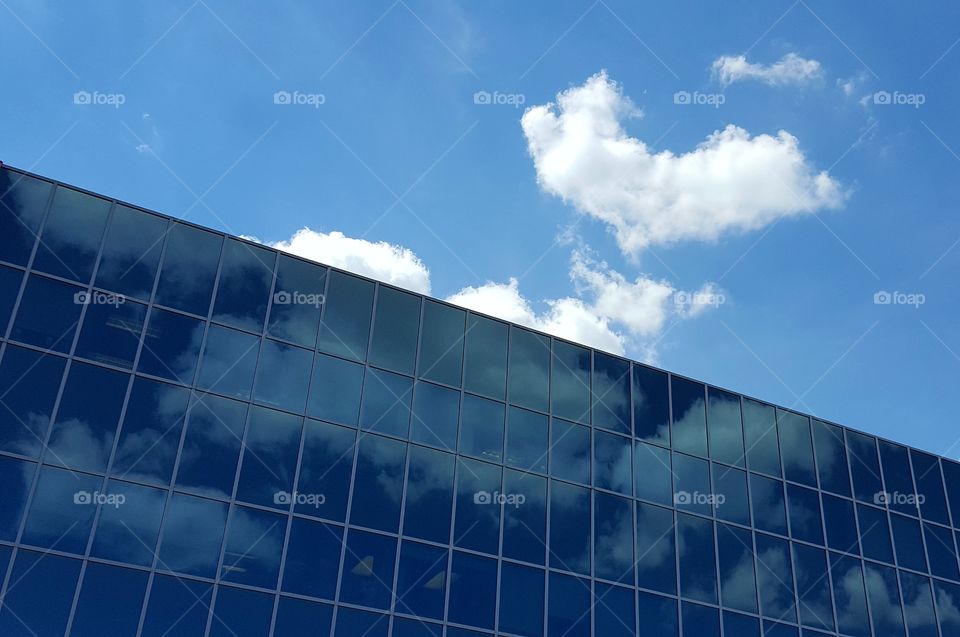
[(775, 578), (658, 615), (614, 615), (477, 524), (570, 391), (10, 280), (189, 269), (429, 495), (422, 580), (441, 346), (831, 458), (42, 596), (726, 433), (61, 513), (485, 369), (16, 477), (23, 201), (297, 301), (229, 360), (71, 235), (386, 403), (796, 448), (651, 405), (738, 586), (849, 596), (700, 620), (111, 331), (150, 433), (352, 622), (730, 491), (283, 376), (109, 602), (612, 462), (129, 523), (83, 432), (131, 252), (841, 525), (570, 451), (253, 547), (656, 549), (269, 458), (300, 618), (177, 606), (951, 476), (313, 558), (436, 411), (918, 605), (29, 382), (192, 532), (613, 533), (570, 511), (395, 330), (760, 436), (948, 598), (403, 627), (926, 471), (811, 570), (654, 477), (48, 314), (864, 466), (804, 507), (689, 416), (691, 489), (908, 542), (211, 446), (527, 440), (521, 600), (473, 591), (378, 484), (325, 470), (241, 613), (875, 533), (698, 576), (529, 369), (481, 429), (943, 555), (769, 513), (569, 606), (171, 346), (243, 291), (524, 516), (899, 492), (885, 608), (611, 393), (335, 390), (345, 327), (740, 625)]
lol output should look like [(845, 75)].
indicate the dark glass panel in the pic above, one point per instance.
[(429, 494), (403, 627), (948, 602), (422, 580), (240, 613), (109, 602), (300, 618), (71, 235), (726, 431), (658, 615), (951, 476), (481, 428), (129, 523), (918, 605), (436, 411), (940, 549), (652, 473), (570, 389), (345, 327), (864, 466), (386, 403), (229, 361), (841, 524), (569, 606), (730, 491), (760, 437), (529, 369), (521, 600), (335, 390), (612, 462), (23, 201), (849, 596), (611, 393), (796, 448), (651, 405), (769, 513), (131, 252), (297, 301), (656, 549), (177, 607), (815, 606), (269, 458), (477, 524), (771, 629), (48, 314), (111, 331), (283, 376), (313, 558), (441, 346), (378, 483), (570, 451), (485, 366), (524, 516), (10, 280), (368, 569), (243, 291), (192, 533), (875, 533), (613, 611), (831, 458), (351, 623), (689, 416), (931, 497), (738, 625), (885, 607), (691, 489), (701, 621), (805, 521), (473, 591), (395, 330), (899, 493), (189, 269), (211, 446), (908, 542), (29, 382), (527, 440), (84, 429), (698, 570), (171, 346), (150, 433), (570, 511), (775, 578), (39, 604), (325, 469), (738, 584), (16, 476), (612, 538), (61, 512)]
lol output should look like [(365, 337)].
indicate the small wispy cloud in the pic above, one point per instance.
[(790, 69)]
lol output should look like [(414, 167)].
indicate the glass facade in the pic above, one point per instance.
[(202, 436)]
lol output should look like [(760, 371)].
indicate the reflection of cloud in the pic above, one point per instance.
[(688, 429), (614, 545), (773, 569), (77, 444)]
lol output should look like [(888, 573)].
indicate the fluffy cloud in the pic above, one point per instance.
[(790, 69), (732, 181)]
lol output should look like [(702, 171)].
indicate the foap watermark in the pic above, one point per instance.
[(916, 299), (95, 297), (296, 98), (285, 498), (694, 299), (896, 98), (295, 297), (696, 497), (108, 499), (96, 98), (896, 498), (696, 98), (497, 98), (509, 499)]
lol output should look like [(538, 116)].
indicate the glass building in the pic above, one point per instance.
[(203, 436)]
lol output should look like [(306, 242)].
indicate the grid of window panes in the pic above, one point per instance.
[(202, 436)]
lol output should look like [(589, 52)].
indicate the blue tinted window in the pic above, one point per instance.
[(39, 603), (485, 366), (760, 437), (300, 618), (325, 469), (796, 448), (570, 511), (429, 494), (943, 555), (948, 598), (254, 543), (436, 410), (613, 611), (171, 346), (481, 428), (131, 252), (129, 523), (885, 608), (613, 538), (775, 578), (918, 605), (348, 306), (769, 513), (335, 390), (726, 432), (908, 542), (804, 507), (570, 451), (61, 513), (477, 523), (529, 369), (441, 345), (926, 472), (177, 606), (150, 433), (193, 531), (700, 620), (738, 586), (422, 582), (521, 600), (48, 314), (297, 301), (368, 569), (899, 492), (524, 516), (612, 462), (23, 201), (313, 558), (772, 629), (658, 615), (229, 359), (831, 458), (243, 291), (611, 393), (10, 280), (570, 390), (651, 405), (29, 382), (698, 576), (211, 446), (71, 235), (352, 622), (951, 475), (396, 324), (730, 488), (849, 596), (111, 330), (189, 269), (875, 533), (269, 458), (386, 403), (740, 625), (811, 570), (282, 376), (16, 477), (653, 475), (569, 606), (240, 613), (841, 525), (378, 483), (109, 602), (473, 590), (403, 627), (864, 466), (527, 440), (689, 416), (656, 549), (692, 484)]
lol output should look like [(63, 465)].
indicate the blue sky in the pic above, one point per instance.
[(611, 208)]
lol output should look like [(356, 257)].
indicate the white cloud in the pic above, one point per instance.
[(732, 181), (790, 69)]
